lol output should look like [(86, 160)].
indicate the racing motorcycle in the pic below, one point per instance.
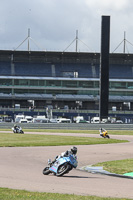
[(17, 130), (105, 134), (61, 165)]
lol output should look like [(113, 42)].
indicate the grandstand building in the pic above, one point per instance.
[(63, 79)]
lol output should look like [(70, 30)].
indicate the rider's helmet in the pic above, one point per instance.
[(15, 125), (74, 150)]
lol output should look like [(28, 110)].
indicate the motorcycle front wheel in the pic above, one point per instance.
[(22, 132), (63, 169), (46, 171)]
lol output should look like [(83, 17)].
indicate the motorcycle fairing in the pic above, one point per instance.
[(104, 133), (58, 162)]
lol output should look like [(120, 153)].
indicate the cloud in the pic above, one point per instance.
[(53, 23), (108, 5)]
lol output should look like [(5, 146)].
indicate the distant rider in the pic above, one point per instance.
[(102, 131), (16, 127)]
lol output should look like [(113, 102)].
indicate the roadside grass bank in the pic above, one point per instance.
[(26, 140), (6, 194), (117, 166), (110, 132)]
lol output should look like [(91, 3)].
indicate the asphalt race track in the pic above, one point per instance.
[(21, 168)]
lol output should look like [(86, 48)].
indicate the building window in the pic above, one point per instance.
[(69, 83), (5, 82)]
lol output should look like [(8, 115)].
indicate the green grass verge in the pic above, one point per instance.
[(117, 166), (9, 194), (24, 140)]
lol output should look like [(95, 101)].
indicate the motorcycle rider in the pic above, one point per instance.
[(72, 151), (101, 131), (16, 127)]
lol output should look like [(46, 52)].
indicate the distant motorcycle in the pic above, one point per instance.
[(17, 130), (105, 134), (61, 166)]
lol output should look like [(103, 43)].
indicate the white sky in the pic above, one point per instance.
[(53, 24)]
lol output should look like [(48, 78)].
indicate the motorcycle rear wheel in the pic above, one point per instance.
[(46, 171), (63, 169)]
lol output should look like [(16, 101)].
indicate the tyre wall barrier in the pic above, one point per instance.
[(72, 126)]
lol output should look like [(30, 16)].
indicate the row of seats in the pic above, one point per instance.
[(63, 70), (5, 68), (121, 71)]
